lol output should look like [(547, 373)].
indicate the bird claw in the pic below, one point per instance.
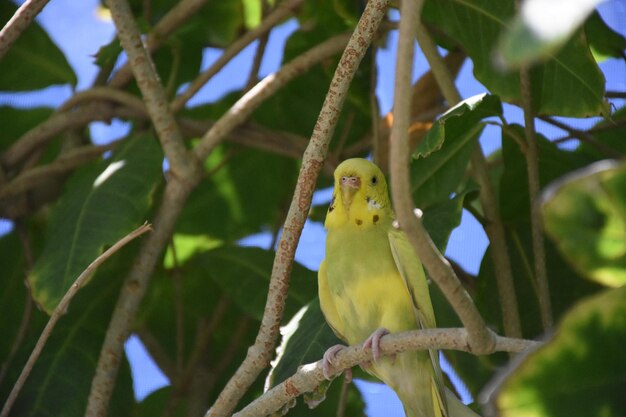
[(328, 358), (373, 342)]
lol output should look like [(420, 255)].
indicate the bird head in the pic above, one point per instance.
[(360, 194)]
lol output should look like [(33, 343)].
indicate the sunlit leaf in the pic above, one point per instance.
[(580, 371), (585, 214), (541, 28)]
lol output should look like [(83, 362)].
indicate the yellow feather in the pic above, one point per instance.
[(372, 279)]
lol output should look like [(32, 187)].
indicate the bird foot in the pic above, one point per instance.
[(327, 361), (373, 342)]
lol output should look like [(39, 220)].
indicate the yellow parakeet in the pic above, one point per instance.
[(372, 283)]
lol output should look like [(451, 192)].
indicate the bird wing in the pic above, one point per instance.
[(411, 270), (327, 303)]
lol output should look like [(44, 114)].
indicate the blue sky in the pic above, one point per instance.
[(77, 30)]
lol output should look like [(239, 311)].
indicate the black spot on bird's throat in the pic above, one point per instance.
[(367, 199), (375, 218), (359, 222)]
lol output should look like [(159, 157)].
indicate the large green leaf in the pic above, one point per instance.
[(569, 84), (540, 28), (585, 214), (580, 372), (441, 160), (34, 61), (103, 202), (442, 218), (244, 275), (59, 383)]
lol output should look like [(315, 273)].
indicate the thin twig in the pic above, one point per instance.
[(532, 165), (586, 136), (61, 309), (258, 355), (28, 303), (343, 398), (179, 310), (285, 9), (65, 163), (157, 352), (203, 338), (102, 94), (59, 122), (615, 94), (309, 376), (18, 23), (494, 227), (481, 338)]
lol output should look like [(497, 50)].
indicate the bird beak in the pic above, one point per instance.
[(349, 187)]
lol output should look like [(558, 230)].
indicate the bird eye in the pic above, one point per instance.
[(374, 180)]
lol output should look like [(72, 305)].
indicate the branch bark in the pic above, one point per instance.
[(309, 376), (18, 23), (494, 227), (481, 339), (532, 165), (259, 354), (61, 309)]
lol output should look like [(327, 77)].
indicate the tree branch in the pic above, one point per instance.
[(61, 309), (532, 165), (309, 376), (18, 23), (259, 354), (181, 163), (285, 9), (66, 162), (481, 338), (494, 227), (56, 124)]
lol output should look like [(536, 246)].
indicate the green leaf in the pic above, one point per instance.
[(442, 218), (442, 159), (34, 61), (569, 84), (244, 275), (541, 28), (103, 202), (580, 371), (603, 40), (67, 363), (585, 215)]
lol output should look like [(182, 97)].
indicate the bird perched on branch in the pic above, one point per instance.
[(372, 283)]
